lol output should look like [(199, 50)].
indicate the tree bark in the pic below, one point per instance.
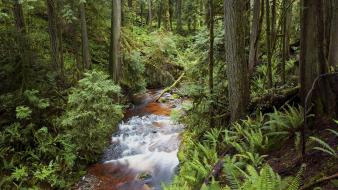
[(115, 46), (287, 17), (312, 58), (53, 34), (273, 23), (333, 51), (171, 13), (235, 58), (84, 36), (159, 14), (179, 16), (60, 35), (150, 15), (211, 63), (22, 40), (254, 37), (268, 43)]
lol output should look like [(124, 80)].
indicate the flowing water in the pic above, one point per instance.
[(143, 153)]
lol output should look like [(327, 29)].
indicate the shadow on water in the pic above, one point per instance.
[(143, 153)]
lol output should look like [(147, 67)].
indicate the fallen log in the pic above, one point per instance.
[(276, 99), (170, 87), (321, 180)]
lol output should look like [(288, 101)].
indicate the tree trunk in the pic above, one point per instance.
[(268, 43), (84, 36), (150, 15), (312, 58), (130, 4), (159, 13), (179, 16), (115, 35), (254, 37), (141, 12), (235, 58), (22, 40), (333, 51), (60, 35), (211, 63), (53, 33), (273, 24), (171, 13)]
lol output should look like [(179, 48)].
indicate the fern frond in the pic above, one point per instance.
[(297, 181)]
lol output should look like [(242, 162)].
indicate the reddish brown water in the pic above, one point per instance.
[(118, 176)]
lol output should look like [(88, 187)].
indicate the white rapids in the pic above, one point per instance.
[(149, 145)]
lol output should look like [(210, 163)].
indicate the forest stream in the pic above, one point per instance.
[(143, 153)]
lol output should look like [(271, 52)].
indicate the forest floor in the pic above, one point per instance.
[(287, 160)]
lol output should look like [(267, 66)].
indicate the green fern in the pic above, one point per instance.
[(324, 147), (297, 180)]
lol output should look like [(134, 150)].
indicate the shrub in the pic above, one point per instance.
[(92, 114)]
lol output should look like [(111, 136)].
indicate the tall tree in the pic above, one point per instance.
[(333, 51), (22, 40), (179, 15), (286, 27), (115, 46), (84, 36), (255, 33), (211, 62), (235, 57), (312, 57), (60, 35), (268, 43), (150, 14), (171, 13), (53, 33), (159, 13)]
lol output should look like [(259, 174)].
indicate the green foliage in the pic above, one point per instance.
[(23, 112), (325, 147), (133, 80), (35, 150), (92, 113)]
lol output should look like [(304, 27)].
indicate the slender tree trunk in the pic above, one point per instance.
[(284, 42), (84, 36), (254, 37), (150, 15), (53, 34), (22, 40), (130, 4), (268, 43), (159, 14), (141, 12), (60, 35), (235, 58), (333, 51), (171, 13), (288, 25), (273, 24), (115, 35), (179, 16), (328, 16), (211, 63)]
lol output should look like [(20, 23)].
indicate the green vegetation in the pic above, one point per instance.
[(257, 81)]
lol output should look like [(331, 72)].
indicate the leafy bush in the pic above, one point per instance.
[(92, 114), (38, 150)]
